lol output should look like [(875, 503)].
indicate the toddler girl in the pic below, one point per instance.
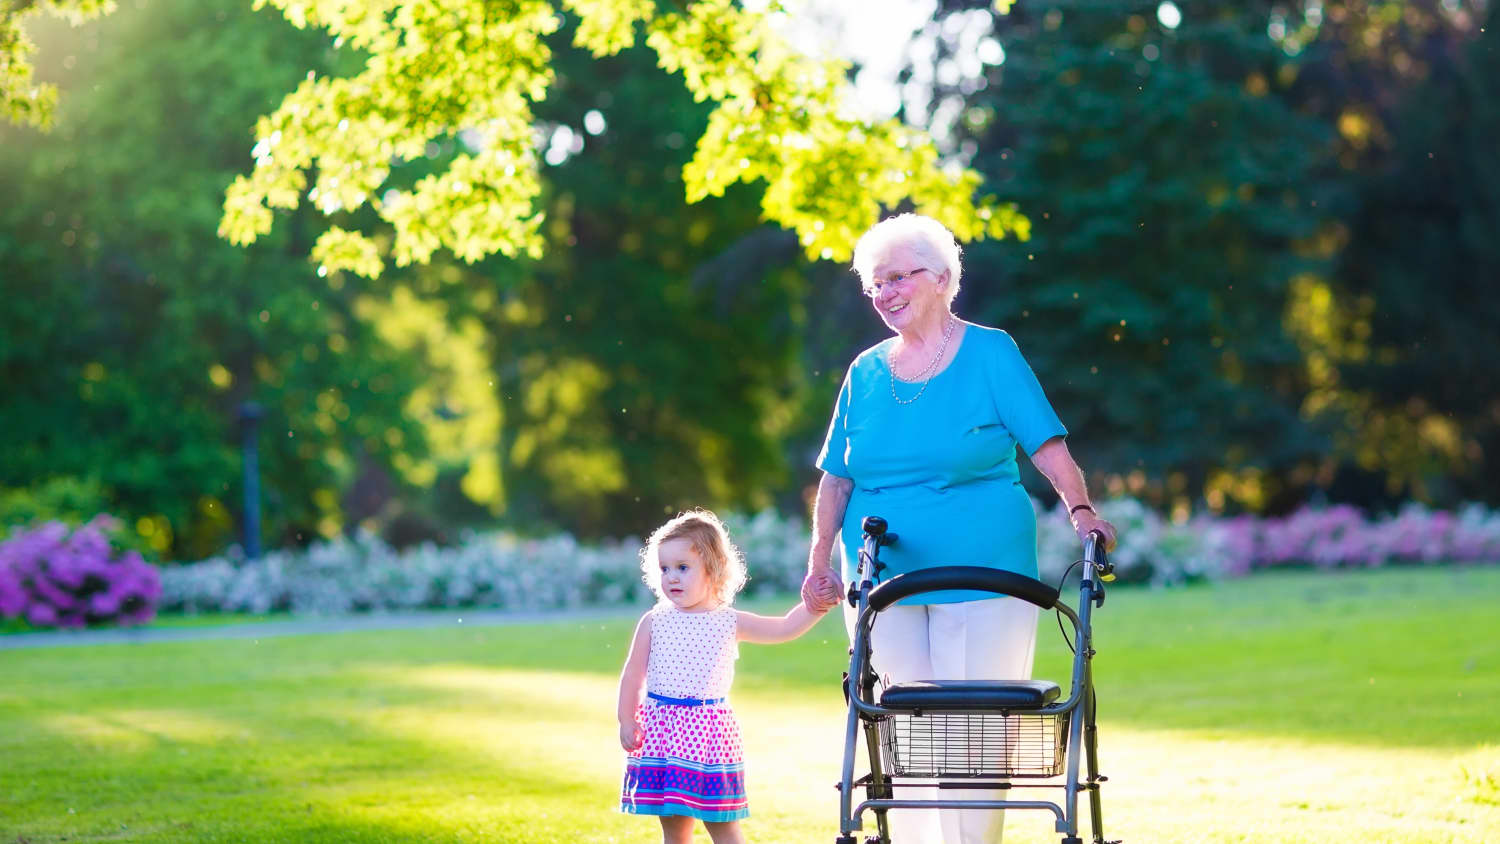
[(683, 741)]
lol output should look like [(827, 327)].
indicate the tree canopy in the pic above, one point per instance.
[(23, 99), (132, 333), (474, 70), (1257, 271)]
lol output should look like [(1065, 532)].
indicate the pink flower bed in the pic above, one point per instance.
[(1341, 536), (56, 576)]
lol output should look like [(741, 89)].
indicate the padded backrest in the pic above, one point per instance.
[(942, 578)]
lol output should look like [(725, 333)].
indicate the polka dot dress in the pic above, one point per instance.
[(690, 762)]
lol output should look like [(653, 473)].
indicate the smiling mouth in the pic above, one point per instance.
[(896, 310)]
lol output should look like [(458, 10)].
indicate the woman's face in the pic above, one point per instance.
[(907, 288)]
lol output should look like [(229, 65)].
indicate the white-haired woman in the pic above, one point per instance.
[(925, 434)]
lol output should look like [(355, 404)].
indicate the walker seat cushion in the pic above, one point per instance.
[(952, 695)]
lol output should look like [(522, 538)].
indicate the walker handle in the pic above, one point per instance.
[(1094, 556), (942, 578)]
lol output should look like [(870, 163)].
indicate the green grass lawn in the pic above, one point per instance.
[(1298, 707), (18, 627)]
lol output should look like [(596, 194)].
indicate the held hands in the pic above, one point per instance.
[(821, 589), (631, 736)]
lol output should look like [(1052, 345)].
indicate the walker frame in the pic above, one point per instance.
[(970, 734)]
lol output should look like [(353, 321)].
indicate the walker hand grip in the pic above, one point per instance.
[(1093, 553), (962, 577)]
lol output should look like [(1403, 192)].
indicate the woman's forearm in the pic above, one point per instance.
[(828, 517), (1056, 463)]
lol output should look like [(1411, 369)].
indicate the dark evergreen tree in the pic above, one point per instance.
[(1168, 187), (1424, 254)]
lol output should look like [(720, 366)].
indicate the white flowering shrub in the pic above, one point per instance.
[(502, 571), (775, 550), (1151, 549), (492, 570)]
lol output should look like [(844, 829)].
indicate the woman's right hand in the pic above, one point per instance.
[(822, 589), (631, 736)]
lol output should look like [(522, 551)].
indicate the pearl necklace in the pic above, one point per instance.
[(929, 371)]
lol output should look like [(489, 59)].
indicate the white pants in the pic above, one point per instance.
[(993, 639)]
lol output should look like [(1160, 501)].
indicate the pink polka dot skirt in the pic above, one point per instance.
[(691, 761), (690, 764)]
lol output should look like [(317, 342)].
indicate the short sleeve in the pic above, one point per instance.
[(1019, 398), (834, 458)]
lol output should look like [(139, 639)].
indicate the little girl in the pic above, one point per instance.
[(683, 741)]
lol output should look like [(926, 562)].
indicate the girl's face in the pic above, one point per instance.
[(684, 577)]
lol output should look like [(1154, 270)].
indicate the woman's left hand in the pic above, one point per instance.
[(1087, 521)]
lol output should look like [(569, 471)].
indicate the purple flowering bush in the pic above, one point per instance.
[(57, 576), (1160, 551), (1342, 537)]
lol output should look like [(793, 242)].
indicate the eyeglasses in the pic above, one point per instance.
[(898, 280)]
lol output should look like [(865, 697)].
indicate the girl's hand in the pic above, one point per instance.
[(821, 589), (631, 737)]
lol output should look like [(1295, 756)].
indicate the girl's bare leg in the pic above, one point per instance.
[(726, 832), (676, 829)]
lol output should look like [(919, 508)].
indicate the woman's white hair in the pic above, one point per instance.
[(923, 235)]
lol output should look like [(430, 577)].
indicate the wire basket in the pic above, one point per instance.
[(973, 744)]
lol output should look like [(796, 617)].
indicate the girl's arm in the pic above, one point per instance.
[(633, 683), (771, 630)]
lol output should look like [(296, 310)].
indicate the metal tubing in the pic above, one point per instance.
[(846, 785), (1091, 749), (959, 804), (1081, 678), (879, 786), (850, 821)]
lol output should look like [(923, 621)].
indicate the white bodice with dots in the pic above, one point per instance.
[(692, 653)]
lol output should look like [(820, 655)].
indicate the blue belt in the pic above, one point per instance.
[(684, 701)]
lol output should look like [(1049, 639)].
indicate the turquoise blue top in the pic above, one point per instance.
[(942, 469)]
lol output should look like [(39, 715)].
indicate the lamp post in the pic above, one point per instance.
[(250, 414)]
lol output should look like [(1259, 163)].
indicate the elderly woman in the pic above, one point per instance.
[(924, 434)]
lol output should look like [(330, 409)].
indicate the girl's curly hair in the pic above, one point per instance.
[(724, 563)]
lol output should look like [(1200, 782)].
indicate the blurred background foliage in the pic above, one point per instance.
[(1263, 271)]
